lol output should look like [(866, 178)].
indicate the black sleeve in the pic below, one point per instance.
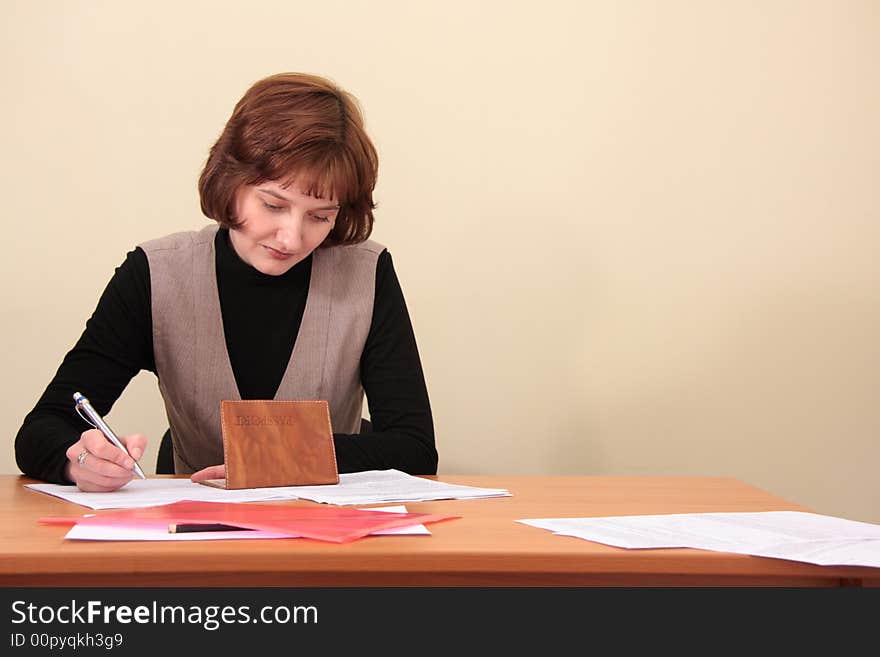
[(117, 343), (391, 372)]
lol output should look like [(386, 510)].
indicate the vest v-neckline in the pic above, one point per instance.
[(310, 344)]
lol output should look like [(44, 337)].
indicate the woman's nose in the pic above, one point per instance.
[(289, 234)]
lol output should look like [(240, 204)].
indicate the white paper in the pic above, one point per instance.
[(153, 492), (379, 486), (408, 530), (158, 531), (794, 535), (357, 488)]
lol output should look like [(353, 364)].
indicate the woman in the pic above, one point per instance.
[(283, 297)]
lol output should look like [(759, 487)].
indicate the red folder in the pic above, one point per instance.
[(336, 524)]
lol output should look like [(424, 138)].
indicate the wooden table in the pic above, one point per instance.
[(484, 547)]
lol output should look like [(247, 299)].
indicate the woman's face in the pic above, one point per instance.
[(280, 226)]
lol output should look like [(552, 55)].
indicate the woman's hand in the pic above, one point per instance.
[(97, 465), (211, 472)]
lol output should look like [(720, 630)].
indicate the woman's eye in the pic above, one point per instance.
[(318, 217), (272, 208)]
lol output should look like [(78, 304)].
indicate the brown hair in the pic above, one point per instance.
[(295, 126)]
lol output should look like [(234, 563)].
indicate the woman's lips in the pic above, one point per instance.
[(275, 253)]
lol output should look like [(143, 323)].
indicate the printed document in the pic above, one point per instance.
[(378, 486), (794, 535)]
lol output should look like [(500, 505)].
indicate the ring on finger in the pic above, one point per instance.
[(81, 459)]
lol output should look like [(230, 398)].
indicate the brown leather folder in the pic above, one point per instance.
[(276, 443)]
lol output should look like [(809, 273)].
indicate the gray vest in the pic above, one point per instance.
[(190, 346)]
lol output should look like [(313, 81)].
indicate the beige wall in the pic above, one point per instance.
[(636, 237)]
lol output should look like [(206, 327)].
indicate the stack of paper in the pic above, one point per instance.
[(372, 487), (794, 535), (378, 486), (149, 492)]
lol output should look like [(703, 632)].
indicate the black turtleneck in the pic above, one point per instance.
[(259, 347), (118, 342)]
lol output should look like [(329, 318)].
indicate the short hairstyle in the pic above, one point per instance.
[(295, 126)]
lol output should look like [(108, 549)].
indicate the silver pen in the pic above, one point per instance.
[(92, 417)]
